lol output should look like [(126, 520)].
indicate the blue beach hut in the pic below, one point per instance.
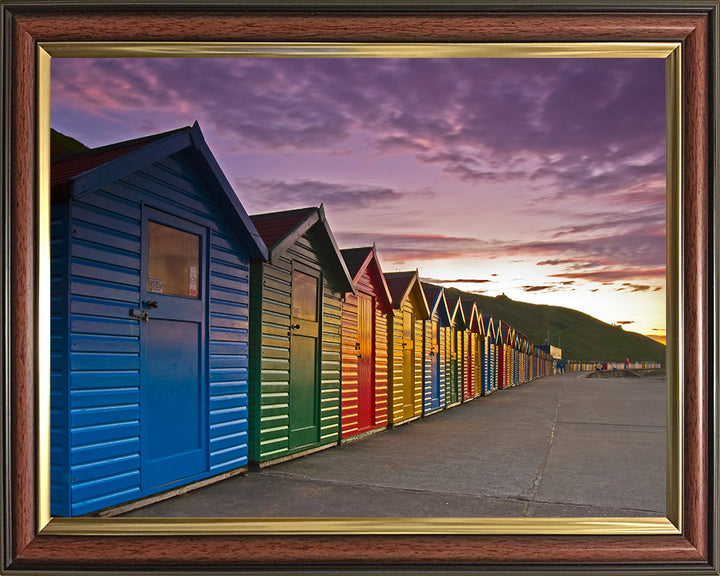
[(435, 348), (490, 357), (150, 290)]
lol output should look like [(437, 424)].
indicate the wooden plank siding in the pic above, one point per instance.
[(367, 285), (96, 360), (429, 326), (434, 382), (381, 369), (478, 358), (456, 383), (435, 349), (446, 344), (270, 347), (350, 409), (399, 401), (469, 349), (330, 358), (419, 367), (406, 391), (396, 407)]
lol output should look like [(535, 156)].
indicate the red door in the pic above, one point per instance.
[(366, 362), (469, 366), (500, 366)]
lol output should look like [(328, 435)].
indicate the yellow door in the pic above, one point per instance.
[(408, 364)]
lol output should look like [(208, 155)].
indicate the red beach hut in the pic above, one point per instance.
[(364, 345)]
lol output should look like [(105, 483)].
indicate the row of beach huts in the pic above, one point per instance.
[(192, 341)]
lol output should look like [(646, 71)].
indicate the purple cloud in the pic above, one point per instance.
[(401, 247), (609, 276), (294, 194), (456, 280)]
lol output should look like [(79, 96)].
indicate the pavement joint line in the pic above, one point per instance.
[(535, 488), (519, 498), (576, 505), (303, 478), (618, 425)]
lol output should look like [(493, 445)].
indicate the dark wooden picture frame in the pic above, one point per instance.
[(28, 24)]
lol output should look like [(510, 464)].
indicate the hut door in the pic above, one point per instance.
[(434, 366), (469, 366), (172, 320), (304, 395), (453, 396), (408, 364), (366, 362)]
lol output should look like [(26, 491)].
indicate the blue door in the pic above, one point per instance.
[(173, 380)]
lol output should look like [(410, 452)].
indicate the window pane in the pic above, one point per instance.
[(173, 261), (304, 296)]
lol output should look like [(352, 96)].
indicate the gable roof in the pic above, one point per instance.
[(280, 230), (507, 333), (68, 166), (488, 326), (457, 314), (77, 174), (357, 259), (402, 285), (274, 226), (435, 296), (472, 319), (360, 260)]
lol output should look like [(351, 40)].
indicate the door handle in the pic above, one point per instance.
[(295, 326), (151, 304)]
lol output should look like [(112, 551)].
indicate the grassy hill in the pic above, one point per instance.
[(580, 336), (61, 144)]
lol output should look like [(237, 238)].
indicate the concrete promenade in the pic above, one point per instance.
[(563, 445)]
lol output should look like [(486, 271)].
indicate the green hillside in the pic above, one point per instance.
[(61, 144), (580, 336)]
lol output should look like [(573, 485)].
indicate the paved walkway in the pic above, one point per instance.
[(562, 445)]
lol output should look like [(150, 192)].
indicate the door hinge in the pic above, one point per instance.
[(139, 314)]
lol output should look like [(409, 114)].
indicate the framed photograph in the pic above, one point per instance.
[(683, 32)]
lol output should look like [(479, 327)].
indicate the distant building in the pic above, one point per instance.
[(554, 351)]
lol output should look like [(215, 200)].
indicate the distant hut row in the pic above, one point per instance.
[(190, 340)]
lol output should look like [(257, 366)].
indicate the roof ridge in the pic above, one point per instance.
[(114, 145)]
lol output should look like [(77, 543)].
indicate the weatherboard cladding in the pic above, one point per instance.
[(96, 360), (270, 341), (457, 352), (492, 366), (434, 379), (472, 379), (369, 284), (406, 380)]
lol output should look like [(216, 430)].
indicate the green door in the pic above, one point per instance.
[(304, 393)]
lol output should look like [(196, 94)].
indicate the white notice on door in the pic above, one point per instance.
[(155, 285)]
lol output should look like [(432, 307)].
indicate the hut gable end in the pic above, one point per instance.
[(300, 245), (99, 366)]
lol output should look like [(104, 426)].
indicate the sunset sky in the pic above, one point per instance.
[(543, 179)]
